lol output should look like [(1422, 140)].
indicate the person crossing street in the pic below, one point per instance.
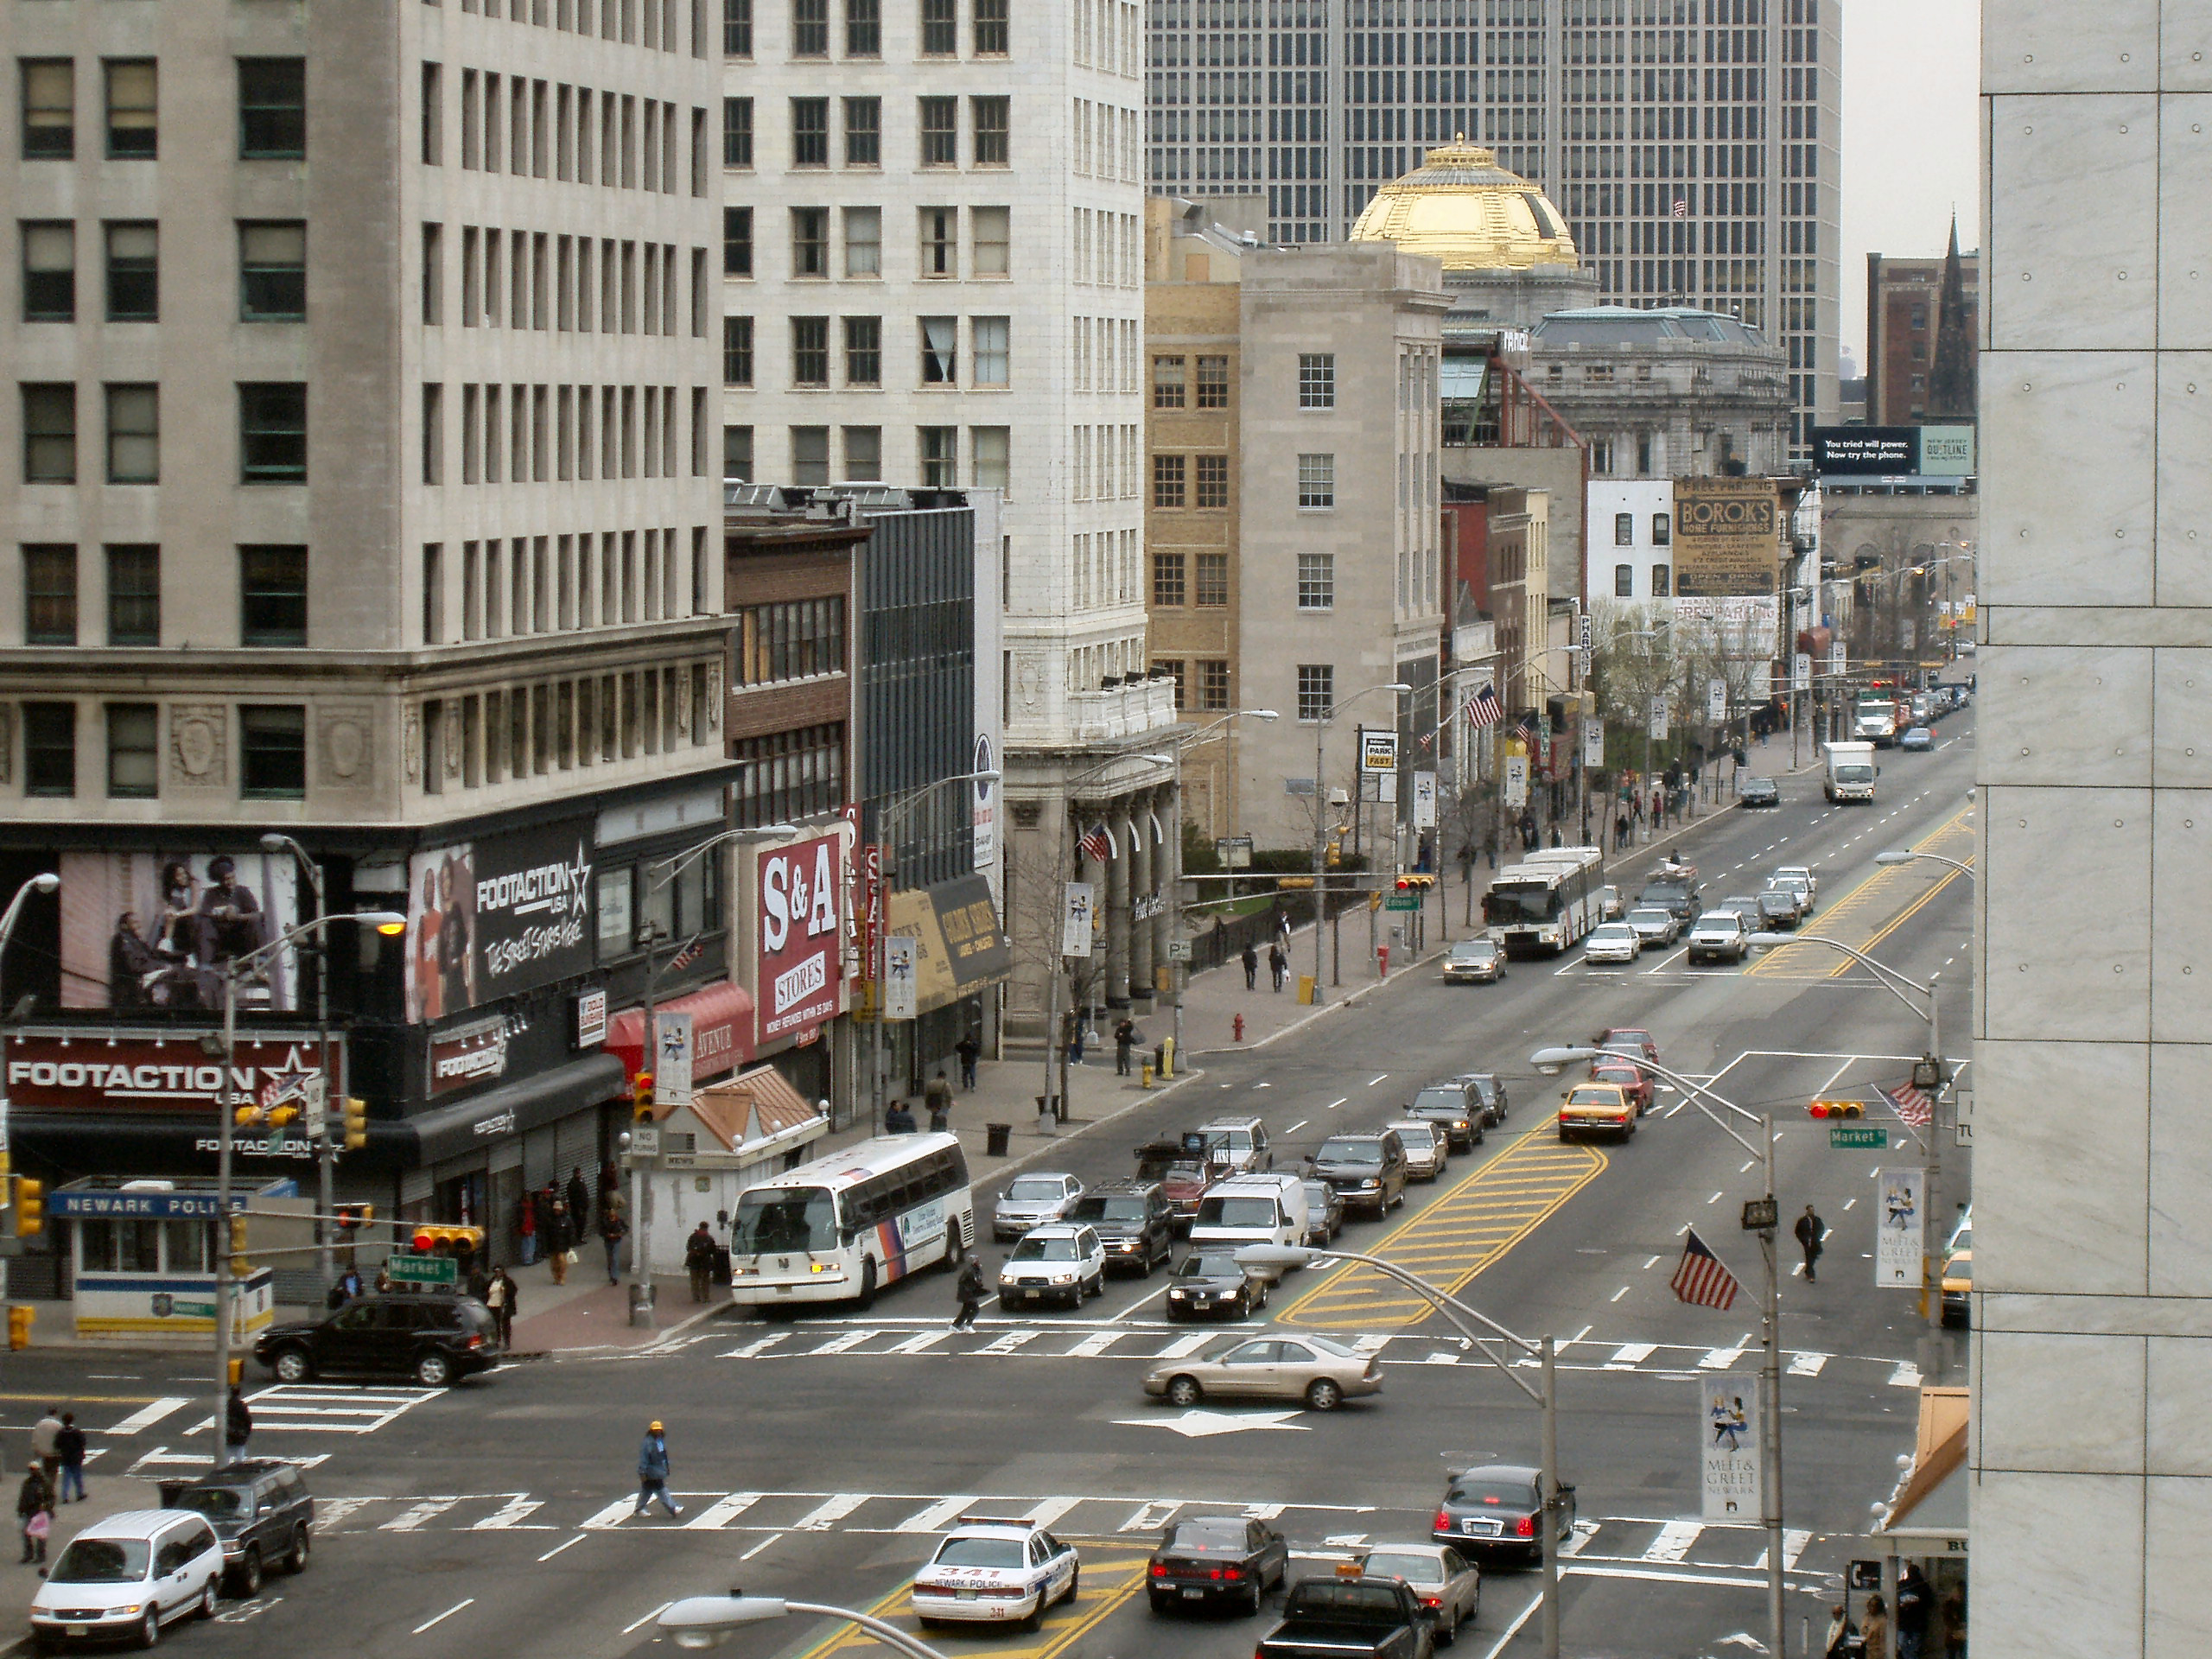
[(1810, 1230), (970, 1289), (653, 1471)]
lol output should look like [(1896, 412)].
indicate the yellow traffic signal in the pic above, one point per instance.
[(280, 1115), (352, 1217), (437, 1239), (357, 1124), (641, 1098), (28, 1206), (240, 1265), (247, 1117), (19, 1328)]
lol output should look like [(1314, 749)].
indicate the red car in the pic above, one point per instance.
[(1633, 1079), (1629, 1039)]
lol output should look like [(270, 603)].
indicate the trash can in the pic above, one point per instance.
[(722, 1264), (995, 1137)]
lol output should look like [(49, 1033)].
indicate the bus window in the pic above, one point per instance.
[(784, 1218)]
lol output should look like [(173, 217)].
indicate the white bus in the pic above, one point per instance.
[(844, 1226), (1547, 901)]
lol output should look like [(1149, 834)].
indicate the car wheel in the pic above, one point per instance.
[(150, 1633), (249, 1576), (1144, 1266), (1323, 1394), (956, 1247), (1265, 1291), (292, 1366), (206, 1608), (1184, 1391), (433, 1369), (866, 1299), (1035, 1616), (1099, 1285), (1075, 1586), (1447, 1634), (1253, 1598), (296, 1558)]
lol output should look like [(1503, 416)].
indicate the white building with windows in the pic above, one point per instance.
[(933, 268), (1631, 540)]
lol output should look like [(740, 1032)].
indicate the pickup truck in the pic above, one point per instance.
[(1350, 1618)]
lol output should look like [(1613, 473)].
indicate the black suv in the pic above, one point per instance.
[(1679, 894), (1454, 1107), (1367, 1170), (260, 1510), (435, 1340), (1133, 1220), (1490, 1088)]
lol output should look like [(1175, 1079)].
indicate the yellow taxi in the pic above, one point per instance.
[(1596, 1109), (1958, 1287)]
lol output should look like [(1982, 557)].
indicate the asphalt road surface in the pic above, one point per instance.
[(816, 1459)]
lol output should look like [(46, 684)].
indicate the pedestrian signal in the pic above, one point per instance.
[(352, 1217)]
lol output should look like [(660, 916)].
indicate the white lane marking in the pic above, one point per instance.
[(1151, 1517), (1513, 1630), (1622, 1291), (647, 1619), (830, 1512), (1137, 1307), (1092, 1345), (511, 1515), (915, 1344), (1673, 1541), (1834, 1075), (1263, 1084), (1807, 1364), (1046, 1511), (1907, 1376), (610, 1517), (1847, 1202), (556, 1548), (1378, 1077), (1008, 1343), (428, 1509), (1296, 1127), (754, 1349), (1793, 1545), (1182, 1345), (1652, 1263), (937, 1516), (838, 1344), (449, 1612), (1715, 1198), (774, 1537), (722, 1512), (1630, 1354), (1576, 1338), (146, 1416), (1339, 1101), (1747, 1168), (1719, 1359)]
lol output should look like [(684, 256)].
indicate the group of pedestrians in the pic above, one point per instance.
[(54, 1476), (1278, 964), (553, 1222), (1916, 1619)]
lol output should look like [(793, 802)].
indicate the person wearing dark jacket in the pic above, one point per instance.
[(936, 1095), (34, 1512), (1916, 1600), (559, 1238), (237, 1427), (578, 1196), (969, 1288), (699, 1261), (970, 1050), (1251, 967), (1810, 1230), (1125, 1044), (652, 1472), (613, 1228), (69, 1446)]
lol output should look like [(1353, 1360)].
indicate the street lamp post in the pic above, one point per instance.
[(706, 1621), (1321, 812), (325, 1153), (1180, 972), (45, 881), (1459, 1313)]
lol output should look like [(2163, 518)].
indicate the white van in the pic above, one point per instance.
[(1253, 1209)]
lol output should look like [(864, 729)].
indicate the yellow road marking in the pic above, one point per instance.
[(1863, 917), (1113, 1572), (1456, 1237)]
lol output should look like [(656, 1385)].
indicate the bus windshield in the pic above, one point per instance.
[(1521, 902), (784, 1218)]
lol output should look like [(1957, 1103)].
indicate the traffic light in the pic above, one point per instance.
[(352, 1217), (27, 1208), (641, 1098), (247, 1117), (357, 1124), (1415, 883), (19, 1328), (1836, 1109), (440, 1240), (280, 1115), (240, 1265)]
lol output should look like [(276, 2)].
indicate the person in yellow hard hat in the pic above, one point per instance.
[(652, 1472)]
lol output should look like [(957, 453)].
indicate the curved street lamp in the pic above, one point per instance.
[(706, 1621)]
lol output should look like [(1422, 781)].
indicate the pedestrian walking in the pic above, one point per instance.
[(1916, 1601), (34, 1512), (1125, 1045), (1874, 1628), (237, 1427), (1278, 965), (1620, 829), (969, 1288), (1251, 966), (500, 1298), (969, 1050), (936, 1095), (699, 1261), (652, 1472), (896, 1120), (526, 1228), (44, 1433), (479, 1282), (1810, 1230), (613, 1228), (560, 1242), (69, 1445), (1082, 1031), (347, 1288), (578, 1196)]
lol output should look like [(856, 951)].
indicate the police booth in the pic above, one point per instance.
[(142, 1257)]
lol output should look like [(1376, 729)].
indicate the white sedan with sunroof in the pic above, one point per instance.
[(1614, 942)]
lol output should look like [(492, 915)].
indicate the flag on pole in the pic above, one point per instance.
[(1098, 845), (1701, 1279), (1483, 709), (1911, 1103), (692, 949)]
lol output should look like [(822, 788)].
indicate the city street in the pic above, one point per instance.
[(816, 1459)]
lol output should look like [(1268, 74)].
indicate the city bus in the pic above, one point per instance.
[(1547, 900), (840, 1228)]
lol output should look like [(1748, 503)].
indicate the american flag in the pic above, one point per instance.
[(1681, 208), (1097, 844), (1911, 1103), (1702, 1280), (1483, 709), (692, 949)]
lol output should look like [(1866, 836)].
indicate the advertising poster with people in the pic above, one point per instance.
[(488, 919), (1728, 1447), (159, 931)]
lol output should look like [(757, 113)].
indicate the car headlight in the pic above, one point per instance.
[(1063, 1278), (1177, 1295), (1365, 1184)]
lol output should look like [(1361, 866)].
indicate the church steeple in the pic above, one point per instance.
[(1951, 381)]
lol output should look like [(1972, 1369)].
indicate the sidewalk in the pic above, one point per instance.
[(106, 1493)]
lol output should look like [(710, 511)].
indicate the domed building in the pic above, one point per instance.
[(1507, 253)]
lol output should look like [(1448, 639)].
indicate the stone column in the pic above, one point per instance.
[(1117, 909), (1144, 879), (1167, 867)]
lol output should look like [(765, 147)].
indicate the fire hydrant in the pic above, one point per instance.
[(1238, 1026), (1382, 959)]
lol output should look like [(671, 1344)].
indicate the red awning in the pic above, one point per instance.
[(721, 1030)]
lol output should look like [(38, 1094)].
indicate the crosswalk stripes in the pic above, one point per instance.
[(288, 1407)]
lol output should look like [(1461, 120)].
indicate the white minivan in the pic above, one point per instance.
[(1253, 1209), (128, 1576)]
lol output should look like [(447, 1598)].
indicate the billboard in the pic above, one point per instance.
[(959, 948), (1893, 451), (801, 930), (492, 918), (1900, 1228), (59, 1071), (1725, 536), (160, 930)]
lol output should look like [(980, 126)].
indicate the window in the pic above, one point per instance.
[(987, 455), (133, 595), (1624, 529), (1662, 581), (1209, 579), (50, 434), (49, 272), (864, 130), (1316, 690), (273, 596), (1624, 582), (133, 273), (737, 351), (809, 241), (50, 748), (1168, 383), (1213, 683), (988, 335), (133, 750), (1173, 668), (273, 272), (863, 241), (133, 436), (1316, 480), (132, 128), (990, 117), (991, 240), (737, 452), (1212, 473), (809, 351), (791, 774), (737, 29), (272, 108), (940, 447), (272, 433), (1662, 529), (863, 28), (1167, 481), (49, 112), (863, 351), (940, 353), (1317, 380), (737, 132), (810, 132), (1168, 588), (1213, 383), (940, 28), (737, 241), (273, 752), (794, 640), (863, 454), (990, 28), (1317, 582), (939, 256), (810, 455), (809, 29), (49, 594), (940, 131)]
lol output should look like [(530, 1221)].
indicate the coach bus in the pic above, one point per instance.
[(844, 1226), (1547, 900)]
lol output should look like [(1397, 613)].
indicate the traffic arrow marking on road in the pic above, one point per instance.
[(1199, 1423)]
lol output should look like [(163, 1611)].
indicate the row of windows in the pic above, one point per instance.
[(1663, 524), (272, 762), (526, 279), (1108, 251), (540, 584), (1105, 354), (272, 594), (538, 435), (1105, 463), (272, 94), (936, 456), (857, 348), (1107, 569), (858, 252), (1180, 579), (794, 640), (1625, 581), (652, 23), (273, 270), (1190, 481), (1172, 388), (860, 27), (858, 133), (535, 129), (1105, 141), (1213, 681), (792, 775), (526, 731), (272, 429)]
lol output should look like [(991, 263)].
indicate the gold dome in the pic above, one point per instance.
[(1461, 207)]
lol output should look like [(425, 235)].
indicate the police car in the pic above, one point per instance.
[(994, 1571)]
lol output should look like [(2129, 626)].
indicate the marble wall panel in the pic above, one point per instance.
[(2069, 715), (2074, 963), (2070, 452)]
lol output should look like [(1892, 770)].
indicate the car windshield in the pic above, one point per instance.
[(1613, 931), (784, 1218), (1854, 774), (981, 1552), (1033, 1248), (1320, 1193), (1035, 1192), (1607, 1096), (1475, 950), (1210, 1267), (1412, 1568), (1239, 1212), (1776, 903), (1486, 1087), (1417, 1133), (1493, 1494), (1351, 1151), (1116, 1208), (101, 1561), (1208, 1534), (1326, 1596), (1443, 1098), (216, 1503), (1333, 1348)]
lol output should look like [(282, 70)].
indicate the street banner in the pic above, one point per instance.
[(1594, 740), (899, 977), (1728, 1447), (1075, 920), (1900, 1228), (1517, 780), (671, 1060), (1716, 702), (1584, 629), (1658, 719), (1424, 800), (1801, 672), (1378, 750)]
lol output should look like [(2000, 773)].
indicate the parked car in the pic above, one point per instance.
[(1454, 1107), (1492, 1512), (1322, 1373), (1348, 1617), (1491, 1087), (261, 1510), (437, 1340), (1059, 1261), (1030, 1199), (1612, 942), (1428, 1150), (126, 1576), (1368, 1170), (1758, 791), (1325, 1213), (1206, 1559), (1447, 1583), (1654, 926), (1474, 961), (1132, 1220), (1210, 1284)]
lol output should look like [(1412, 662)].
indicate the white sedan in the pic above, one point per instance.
[(994, 1571), (1614, 942)]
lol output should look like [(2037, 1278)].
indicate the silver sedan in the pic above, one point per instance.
[(1322, 1373), (1449, 1585)]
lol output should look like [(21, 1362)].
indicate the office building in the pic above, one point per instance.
[(1924, 321)]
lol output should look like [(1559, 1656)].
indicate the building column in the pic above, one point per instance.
[(1167, 869), (1091, 972), (1118, 908), (1144, 880)]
